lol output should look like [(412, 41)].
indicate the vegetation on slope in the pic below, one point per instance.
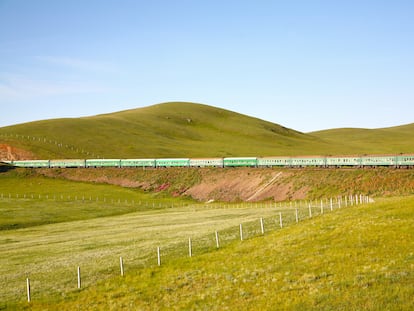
[(29, 199), (164, 130), (359, 258), (186, 130), (253, 184), (398, 139)]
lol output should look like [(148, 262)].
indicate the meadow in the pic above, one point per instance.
[(353, 258), (49, 227), (50, 253)]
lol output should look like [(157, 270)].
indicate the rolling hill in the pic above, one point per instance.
[(398, 139), (180, 129)]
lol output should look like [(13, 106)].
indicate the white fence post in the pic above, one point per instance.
[(217, 240), (158, 256), (262, 225), (28, 289), (321, 207), (79, 278), (331, 205), (190, 251), (296, 215), (241, 232), (310, 210), (121, 264)]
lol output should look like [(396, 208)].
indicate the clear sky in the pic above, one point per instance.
[(305, 64)]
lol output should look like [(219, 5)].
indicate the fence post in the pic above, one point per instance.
[(331, 205), (121, 264), (310, 210), (241, 232), (28, 289), (79, 277), (321, 207), (190, 251), (158, 256), (262, 225), (296, 215), (217, 240)]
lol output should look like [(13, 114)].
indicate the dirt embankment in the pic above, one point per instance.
[(201, 184), (244, 185), (249, 184), (9, 153)]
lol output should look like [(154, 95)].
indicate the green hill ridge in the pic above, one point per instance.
[(181, 129)]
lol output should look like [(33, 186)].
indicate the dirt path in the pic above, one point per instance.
[(264, 187)]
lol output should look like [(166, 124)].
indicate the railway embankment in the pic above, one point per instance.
[(248, 184)]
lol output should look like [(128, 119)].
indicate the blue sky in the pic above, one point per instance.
[(307, 65)]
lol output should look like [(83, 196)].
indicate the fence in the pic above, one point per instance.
[(324, 204), (88, 198), (293, 213), (44, 140)]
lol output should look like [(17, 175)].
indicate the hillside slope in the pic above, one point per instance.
[(249, 184), (398, 139), (180, 129), (164, 130)]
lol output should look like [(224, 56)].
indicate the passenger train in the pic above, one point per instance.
[(396, 161)]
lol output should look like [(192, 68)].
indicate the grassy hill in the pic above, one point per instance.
[(164, 130), (398, 139), (187, 130)]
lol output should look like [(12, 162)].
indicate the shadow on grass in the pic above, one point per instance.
[(4, 167)]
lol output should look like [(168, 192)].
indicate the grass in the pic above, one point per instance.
[(189, 130), (394, 140), (378, 182), (312, 182), (50, 253), (28, 199), (359, 258)]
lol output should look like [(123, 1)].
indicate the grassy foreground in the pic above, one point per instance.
[(359, 258)]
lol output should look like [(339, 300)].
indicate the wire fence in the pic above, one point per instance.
[(285, 215)]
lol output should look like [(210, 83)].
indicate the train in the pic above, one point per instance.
[(396, 161)]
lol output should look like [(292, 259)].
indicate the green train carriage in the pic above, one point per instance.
[(137, 162), (405, 160), (373, 161), (68, 163), (240, 162), (32, 163), (103, 163), (174, 162), (343, 161), (274, 161)]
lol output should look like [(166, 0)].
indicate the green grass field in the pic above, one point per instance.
[(30, 200), (191, 130), (49, 253), (358, 257)]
